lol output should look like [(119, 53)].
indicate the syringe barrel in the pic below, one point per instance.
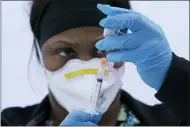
[(95, 96)]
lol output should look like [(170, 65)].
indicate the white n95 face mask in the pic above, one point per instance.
[(72, 85)]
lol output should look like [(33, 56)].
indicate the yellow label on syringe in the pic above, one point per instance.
[(83, 72)]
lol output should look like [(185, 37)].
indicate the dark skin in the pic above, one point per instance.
[(76, 43)]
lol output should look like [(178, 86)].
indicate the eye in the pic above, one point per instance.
[(66, 52), (62, 53)]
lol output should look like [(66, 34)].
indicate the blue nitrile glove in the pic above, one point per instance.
[(146, 47), (80, 118)]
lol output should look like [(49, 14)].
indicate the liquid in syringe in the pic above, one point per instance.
[(96, 92)]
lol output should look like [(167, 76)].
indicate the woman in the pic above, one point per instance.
[(66, 33)]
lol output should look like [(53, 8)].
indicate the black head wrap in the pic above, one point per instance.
[(60, 15)]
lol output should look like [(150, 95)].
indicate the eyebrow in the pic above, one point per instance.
[(59, 43), (66, 43), (70, 43)]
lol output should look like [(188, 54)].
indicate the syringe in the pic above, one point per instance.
[(96, 92), (95, 96)]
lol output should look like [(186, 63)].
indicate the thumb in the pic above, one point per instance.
[(96, 118), (79, 116)]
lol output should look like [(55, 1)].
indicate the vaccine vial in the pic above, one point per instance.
[(114, 32)]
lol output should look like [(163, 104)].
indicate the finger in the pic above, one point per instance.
[(113, 43), (79, 116), (96, 118), (133, 54), (122, 56), (76, 123), (128, 41), (87, 124), (111, 11), (131, 21)]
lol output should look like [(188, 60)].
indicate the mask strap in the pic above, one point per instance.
[(48, 74), (39, 53)]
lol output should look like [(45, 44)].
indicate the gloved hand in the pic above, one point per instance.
[(80, 118), (146, 47)]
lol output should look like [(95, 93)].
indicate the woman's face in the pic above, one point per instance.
[(76, 43)]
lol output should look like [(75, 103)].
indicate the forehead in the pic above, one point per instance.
[(78, 34)]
